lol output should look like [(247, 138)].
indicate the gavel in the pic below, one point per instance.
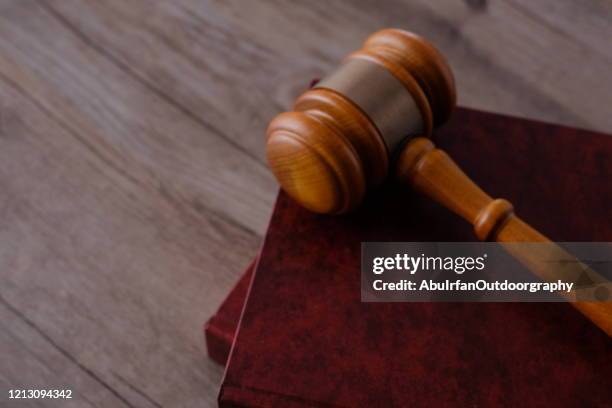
[(373, 116)]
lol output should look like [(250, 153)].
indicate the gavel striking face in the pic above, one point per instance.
[(373, 116), (340, 138)]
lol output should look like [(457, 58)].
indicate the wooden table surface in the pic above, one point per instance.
[(133, 185)]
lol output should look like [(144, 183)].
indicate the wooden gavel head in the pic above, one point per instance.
[(340, 138)]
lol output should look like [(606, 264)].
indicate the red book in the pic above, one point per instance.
[(220, 329), (305, 338)]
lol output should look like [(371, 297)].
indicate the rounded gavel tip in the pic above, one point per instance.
[(314, 164), (424, 62), (334, 146)]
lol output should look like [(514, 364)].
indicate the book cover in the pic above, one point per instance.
[(220, 329), (306, 339)]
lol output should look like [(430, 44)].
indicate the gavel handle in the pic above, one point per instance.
[(433, 173)]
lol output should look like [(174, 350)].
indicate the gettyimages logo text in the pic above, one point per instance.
[(413, 264)]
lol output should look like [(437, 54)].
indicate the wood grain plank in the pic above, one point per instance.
[(119, 277), (117, 266), (588, 23), (504, 59), (207, 69), (27, 349), (548, 74), (131, 127)]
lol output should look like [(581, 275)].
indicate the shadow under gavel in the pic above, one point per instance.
[(373, 116)]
